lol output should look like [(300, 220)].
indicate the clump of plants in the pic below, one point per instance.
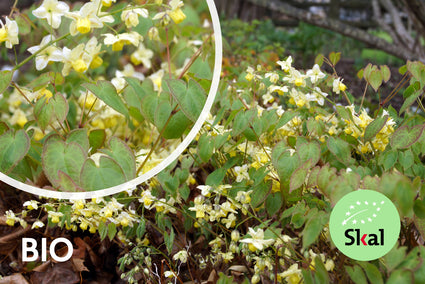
[(100, 92)]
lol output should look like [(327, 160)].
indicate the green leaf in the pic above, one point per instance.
[(321, 275), (419, 208), (47, 111), (66, 183), (205, 148), (241, 121), (177, 126), (45, 79), (405, 196), (309, 151), (60, 156), (80, 137), (406, 158), (307, 276), (216, 177), (105, 91), (334, 57), (13, 148), (112, 231), (97, 139), (386, 73), (108, 174), (190, 98), (416, 68), (340, 149), (372, 272), (273, 203), (298, 177), (410, 100), (201, 69), (5, 79), (388, 159), (394, 257), (356, 274), (123, 155), (344, 113), (103, 230), (284, 162), (141, 229), (375, 79), (313, 227), (141, 90), (405, 136), (374, 127), (400, 276), (319, 59), (285, 118), (169, 240)]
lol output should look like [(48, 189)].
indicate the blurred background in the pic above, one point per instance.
[(379, 32)]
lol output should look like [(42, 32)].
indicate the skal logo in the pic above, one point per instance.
[(364, 225)]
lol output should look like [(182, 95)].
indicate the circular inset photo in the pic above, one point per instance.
[(97, 98)]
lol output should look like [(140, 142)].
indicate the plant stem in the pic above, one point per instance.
[(38, 52)]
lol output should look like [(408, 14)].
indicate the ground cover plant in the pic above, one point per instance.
[(249, 200), (108, 96)]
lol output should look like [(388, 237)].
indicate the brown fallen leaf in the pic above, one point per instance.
[(79, 264), (62, 273), (14, 279), (43, 267)]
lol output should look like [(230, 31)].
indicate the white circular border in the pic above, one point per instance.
[(133, 183)]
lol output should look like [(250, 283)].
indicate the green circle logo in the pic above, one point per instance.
[(364, 225)]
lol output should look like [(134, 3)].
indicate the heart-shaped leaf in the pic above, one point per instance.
[(58, 156), (108, 174), (97, 139), (105, 91), (123, 155), (66, 183), (47, 111), (191, 98), (13, 148), (375, 79), (80, 137)]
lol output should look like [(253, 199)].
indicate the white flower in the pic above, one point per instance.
[(273, 77), (169, 274), (31, 204), (157, 79), (37, 224), (142, 55), (9, 33), (87, 18), (315, 74), (257, 239), (118, 41), (338, 86), (205, 190), (181, 255), (286, 64), (241, 173), (130, 16), (49, 54), (52, 11)]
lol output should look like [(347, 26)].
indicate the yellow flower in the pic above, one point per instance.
[(9, 33), (177, 15), (83, 25)]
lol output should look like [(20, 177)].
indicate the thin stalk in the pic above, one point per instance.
[(23, 62)]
